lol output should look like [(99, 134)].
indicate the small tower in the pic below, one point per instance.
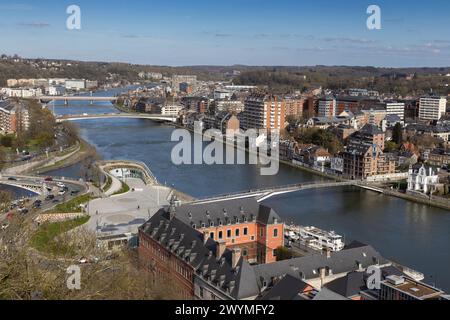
[(172, 207)]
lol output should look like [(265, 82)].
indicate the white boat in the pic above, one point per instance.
[(321, 239)]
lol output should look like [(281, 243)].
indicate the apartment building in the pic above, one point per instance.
[(177, 80), (14, 117), (327, 107), (364, 155), (395, 108), (432, 108), (263, 111), (294, 106)]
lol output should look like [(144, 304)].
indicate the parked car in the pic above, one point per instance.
[(61, 185), (62, 192), (48, 179), (50, 197), (12, 179)]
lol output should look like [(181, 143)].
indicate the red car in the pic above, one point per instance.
[(48, 179)]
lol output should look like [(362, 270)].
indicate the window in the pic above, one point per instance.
[(244, 252), (228, 233), (211, 235), (261, 232), (275, 233), (245, 231), (237, 232), (220, 234)]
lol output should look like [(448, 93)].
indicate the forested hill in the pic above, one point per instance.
[(414, 81)]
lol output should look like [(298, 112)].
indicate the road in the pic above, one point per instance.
[(73, 189)]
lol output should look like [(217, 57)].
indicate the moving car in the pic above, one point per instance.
[(48, 179)]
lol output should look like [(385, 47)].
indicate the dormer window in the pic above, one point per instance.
[(211, 224), (194, 226), (190, 215), (203, 225)]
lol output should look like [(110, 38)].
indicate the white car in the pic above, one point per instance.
[(61, 185), (61, 192)]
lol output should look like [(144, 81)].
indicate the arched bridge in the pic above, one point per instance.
[(264, 194), (155, 117), (67, 99)]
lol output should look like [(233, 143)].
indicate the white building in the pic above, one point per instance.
[(75, 84), (395, 108), (22, 92), (56, 91), (327, 107), (432, 108), (171, 110), (222, 94), (422, 179)]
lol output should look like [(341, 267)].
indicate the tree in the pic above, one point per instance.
[(390, 146), (397, 134), (5, 199)]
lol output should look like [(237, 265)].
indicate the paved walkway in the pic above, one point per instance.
[(125, 213)]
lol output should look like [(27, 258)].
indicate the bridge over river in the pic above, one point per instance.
[(155, 117), (264, 194)]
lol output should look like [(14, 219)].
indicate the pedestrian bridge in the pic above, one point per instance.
[(264, 194), (155, 117)]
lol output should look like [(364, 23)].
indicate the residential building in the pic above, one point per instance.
[(432, 108), (262, 111), (294, 107), (405, 288), (422, 179), (395, 108), (179, 79), (171, 110), (327, 107), (364, 155), (14, 117)]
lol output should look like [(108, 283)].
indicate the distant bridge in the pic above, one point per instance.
[(155, 117), (67, 99), (264, 194)]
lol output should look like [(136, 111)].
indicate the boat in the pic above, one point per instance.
[(320, 239)]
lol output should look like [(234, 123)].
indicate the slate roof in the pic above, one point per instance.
[(226, 211), (307, 267), (348, 286), (371, 129), (287, 288), (328, 295), (188, 244)]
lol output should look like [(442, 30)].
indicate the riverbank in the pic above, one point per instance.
[(84, 151)]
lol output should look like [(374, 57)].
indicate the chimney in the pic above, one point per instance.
[(220, 249), (235, 257), (322, 272)]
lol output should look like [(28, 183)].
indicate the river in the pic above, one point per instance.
[(408, 233)]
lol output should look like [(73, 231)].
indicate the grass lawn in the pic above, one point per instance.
[(125, 188), (108, 184), (44, 239), (73, 205)]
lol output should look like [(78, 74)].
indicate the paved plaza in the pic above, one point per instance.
[(125, 213)]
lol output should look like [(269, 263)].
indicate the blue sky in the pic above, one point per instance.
[(217, 32)]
